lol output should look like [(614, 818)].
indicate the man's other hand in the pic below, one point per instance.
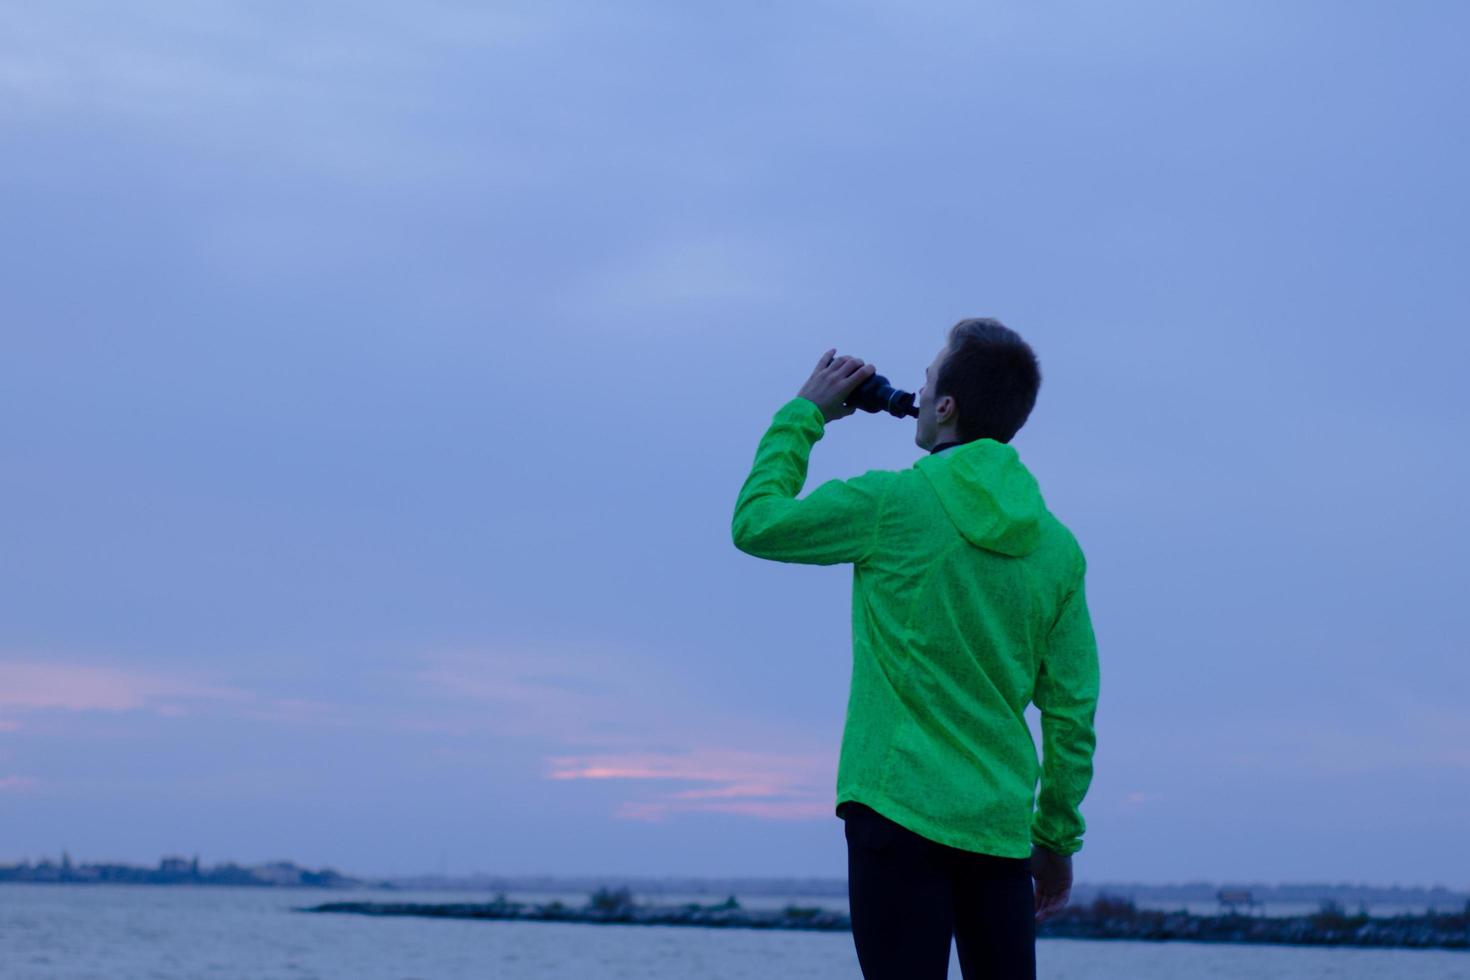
[(832, 381), (1053, 874)]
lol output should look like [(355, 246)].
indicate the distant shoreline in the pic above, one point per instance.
[(1105, 918), (1196, 896)]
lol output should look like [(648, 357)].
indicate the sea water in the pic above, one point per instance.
[(142, 932)]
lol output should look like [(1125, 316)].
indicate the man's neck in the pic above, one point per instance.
[(944, 444)]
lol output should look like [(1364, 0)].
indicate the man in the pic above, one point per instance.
[(968, 604)]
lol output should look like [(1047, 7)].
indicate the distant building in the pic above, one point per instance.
[(175, 866), (1232, 899), (278, 873)]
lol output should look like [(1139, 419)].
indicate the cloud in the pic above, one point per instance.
[(770, 785), (16, 784), (627, 712), (35, 686)]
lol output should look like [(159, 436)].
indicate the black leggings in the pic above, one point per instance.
[(909, 896)]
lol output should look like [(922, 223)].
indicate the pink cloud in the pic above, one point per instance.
[(773, 786), (613, 703), (657, 812), (34, 686), (16, 784)]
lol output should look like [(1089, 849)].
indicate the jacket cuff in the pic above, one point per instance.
[(1056, 847), (804, 412)]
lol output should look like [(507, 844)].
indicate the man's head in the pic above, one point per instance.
[(981, 385)]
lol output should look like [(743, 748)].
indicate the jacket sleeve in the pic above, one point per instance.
[(1066, 693), (836, 522)]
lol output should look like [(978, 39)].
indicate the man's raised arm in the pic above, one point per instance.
[(836, 522)]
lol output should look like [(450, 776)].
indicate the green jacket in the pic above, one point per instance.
[(967, 605)]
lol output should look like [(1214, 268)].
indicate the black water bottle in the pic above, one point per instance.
[(877, 395)]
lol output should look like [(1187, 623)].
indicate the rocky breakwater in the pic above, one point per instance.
[(1110, 917), (1107, 917), (611, 907)]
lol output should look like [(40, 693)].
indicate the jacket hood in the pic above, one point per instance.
[(989, 494)]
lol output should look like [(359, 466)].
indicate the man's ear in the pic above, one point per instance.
[(944, 410)]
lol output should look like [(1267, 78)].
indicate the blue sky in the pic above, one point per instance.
[(378, 381)]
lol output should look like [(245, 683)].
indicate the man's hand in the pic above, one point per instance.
[(832, 381), (1053, 874)]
